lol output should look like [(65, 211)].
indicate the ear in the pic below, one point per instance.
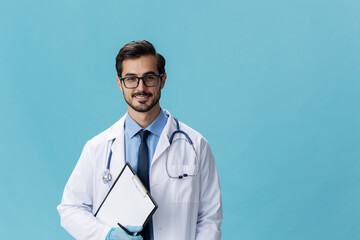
[(119, 83), (163, 79)]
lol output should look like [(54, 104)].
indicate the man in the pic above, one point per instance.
[(187, 192)]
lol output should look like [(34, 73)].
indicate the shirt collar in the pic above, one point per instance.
[(158, 124), (132, 128)]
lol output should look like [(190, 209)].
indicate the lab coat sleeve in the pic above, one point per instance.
[(76, 206), (210, 206)]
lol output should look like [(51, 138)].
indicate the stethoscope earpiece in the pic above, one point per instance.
[(183, 176)]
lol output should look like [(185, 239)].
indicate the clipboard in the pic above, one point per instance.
[(127, 202)]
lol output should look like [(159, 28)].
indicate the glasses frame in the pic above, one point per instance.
[(141, 78)]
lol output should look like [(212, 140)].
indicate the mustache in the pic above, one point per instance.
[(141, 93)]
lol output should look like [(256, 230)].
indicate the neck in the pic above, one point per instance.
[(144, 119)]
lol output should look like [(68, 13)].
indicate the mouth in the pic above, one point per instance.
[(142, 96)]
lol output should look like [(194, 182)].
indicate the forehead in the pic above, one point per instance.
[(140, 65)]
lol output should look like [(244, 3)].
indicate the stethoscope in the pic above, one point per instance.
[(106, 176)]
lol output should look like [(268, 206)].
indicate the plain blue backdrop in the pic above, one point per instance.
[(273, 85)]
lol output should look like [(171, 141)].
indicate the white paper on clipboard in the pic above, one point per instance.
[(127, 202)]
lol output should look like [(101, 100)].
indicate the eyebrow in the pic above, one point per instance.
[(133, 74)]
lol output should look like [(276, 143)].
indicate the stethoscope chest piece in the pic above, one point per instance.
[(106, 176)]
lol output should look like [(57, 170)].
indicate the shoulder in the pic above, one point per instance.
[(107, 135), (196, 137)]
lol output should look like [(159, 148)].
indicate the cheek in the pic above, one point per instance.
[(158, 92), (127, 94)]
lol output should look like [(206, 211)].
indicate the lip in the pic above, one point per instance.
[(142, 97)]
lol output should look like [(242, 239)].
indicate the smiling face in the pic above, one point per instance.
[(141, 99)]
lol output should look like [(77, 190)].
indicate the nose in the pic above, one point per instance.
[(141, 85)]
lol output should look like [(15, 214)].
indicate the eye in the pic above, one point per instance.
[(150, 77), (131, 79)]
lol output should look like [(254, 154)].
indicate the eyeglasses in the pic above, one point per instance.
[(150, 80)]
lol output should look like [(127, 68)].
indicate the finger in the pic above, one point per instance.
[(137, 238), (134, 229)]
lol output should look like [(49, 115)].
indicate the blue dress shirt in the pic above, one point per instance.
[(132, 138)]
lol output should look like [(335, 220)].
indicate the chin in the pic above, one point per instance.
[(141, 108)]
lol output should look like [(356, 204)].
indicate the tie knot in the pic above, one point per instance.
[(144, 134)]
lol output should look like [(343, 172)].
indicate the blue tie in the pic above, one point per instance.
[(143, 159), (143, 173)]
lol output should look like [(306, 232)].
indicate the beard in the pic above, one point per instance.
[(143, 107)]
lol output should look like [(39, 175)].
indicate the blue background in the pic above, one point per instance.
[(273, 86)]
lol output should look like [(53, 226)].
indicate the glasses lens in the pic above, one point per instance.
[(151, 80), (131, 82)]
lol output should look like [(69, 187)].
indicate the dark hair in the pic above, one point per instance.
[(136, 49)]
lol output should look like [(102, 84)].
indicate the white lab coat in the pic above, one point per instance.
[(188, 208)]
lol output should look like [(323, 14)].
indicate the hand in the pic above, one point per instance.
[(119, 234)]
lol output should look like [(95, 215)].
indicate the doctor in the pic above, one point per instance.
[(181, 177)]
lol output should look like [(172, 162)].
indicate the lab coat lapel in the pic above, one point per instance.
[(163, 143), (118, 157), (118, 152)]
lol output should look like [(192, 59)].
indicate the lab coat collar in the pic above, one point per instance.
[(117, 129)]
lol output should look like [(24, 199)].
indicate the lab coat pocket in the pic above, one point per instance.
[(186, 188)]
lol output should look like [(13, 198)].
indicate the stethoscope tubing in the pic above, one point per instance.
[(106, 176)]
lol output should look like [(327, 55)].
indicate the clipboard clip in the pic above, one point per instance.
[(139, 186)]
